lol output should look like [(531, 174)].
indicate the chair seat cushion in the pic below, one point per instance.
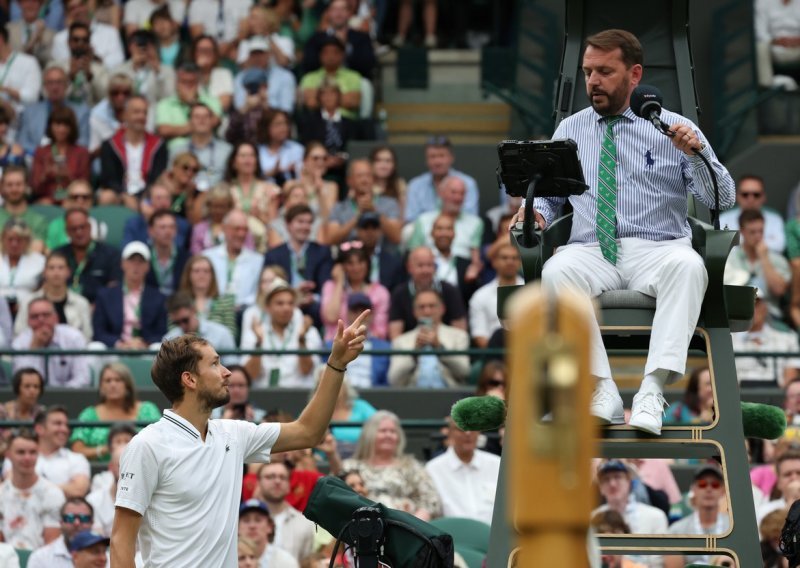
[(626, 299)]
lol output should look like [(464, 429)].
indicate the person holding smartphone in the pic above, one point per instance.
[(435, 367)]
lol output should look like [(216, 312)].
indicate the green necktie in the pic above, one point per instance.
[(607, 193)]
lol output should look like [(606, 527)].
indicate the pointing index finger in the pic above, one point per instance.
[(357, 323)]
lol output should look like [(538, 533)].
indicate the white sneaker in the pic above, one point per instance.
[(647, 411), (431, 42), (607, 407)]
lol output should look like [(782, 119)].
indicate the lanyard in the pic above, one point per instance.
[(220, 20), (7, 67), (78, 270), (375, 268), (12, 273), (163, 275), (140, 79), (230, 269), (177, 203), (298, 264), (287, 335), (137, 309), (210, 169), (246, 200)]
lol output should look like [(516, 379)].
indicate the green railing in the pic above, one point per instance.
[(524, 75), (734, 81)]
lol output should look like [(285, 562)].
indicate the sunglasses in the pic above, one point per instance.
[(351, 245), (181, 322), (71, 518), (753, 194), (118, 92), (79, 39), (495, 383), (705, 483), (80, 197), (188, 168)]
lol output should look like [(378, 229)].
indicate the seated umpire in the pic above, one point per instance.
[(630, 229)]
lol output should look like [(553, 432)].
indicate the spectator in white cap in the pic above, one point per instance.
[(130, 315), (280, 332), (281, 84)]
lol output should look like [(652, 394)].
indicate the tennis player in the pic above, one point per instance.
[(180, 479)]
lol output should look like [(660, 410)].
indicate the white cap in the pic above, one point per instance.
[(257, 43), (136, 247)]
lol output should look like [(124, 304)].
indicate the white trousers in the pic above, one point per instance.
[(670, 271)]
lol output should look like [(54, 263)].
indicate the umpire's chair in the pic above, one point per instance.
[(626, 317)]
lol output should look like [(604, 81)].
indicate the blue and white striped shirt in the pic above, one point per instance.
[(653, 178)]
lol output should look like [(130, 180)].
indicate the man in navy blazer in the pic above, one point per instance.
[(130, 315), (386, 263), (307, 263)]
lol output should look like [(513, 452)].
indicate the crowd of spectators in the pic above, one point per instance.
[(224, 128)]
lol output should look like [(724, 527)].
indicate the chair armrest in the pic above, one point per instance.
[(718, 246), (533, 258)]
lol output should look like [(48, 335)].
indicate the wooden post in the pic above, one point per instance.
[(551, 497)]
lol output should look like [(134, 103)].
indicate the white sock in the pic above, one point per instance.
[(607, 385), (654, 382)]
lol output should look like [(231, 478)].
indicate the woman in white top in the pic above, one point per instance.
[(257, 313), (20, 268), (72, 309), (215, 81), (280, 157)]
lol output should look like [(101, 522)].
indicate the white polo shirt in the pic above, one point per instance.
[(60, 467), (187, 490), (467, 490)]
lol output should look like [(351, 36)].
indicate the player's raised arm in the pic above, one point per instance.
[(309, 430)]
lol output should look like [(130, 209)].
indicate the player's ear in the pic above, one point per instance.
[(188, 380)]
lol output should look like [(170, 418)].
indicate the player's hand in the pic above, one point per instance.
[(519, 216), (349, 342), (685, 139)]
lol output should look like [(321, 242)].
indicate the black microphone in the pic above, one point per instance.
[(646, 103)]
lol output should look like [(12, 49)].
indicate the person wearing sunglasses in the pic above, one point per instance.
[(76, 515), (108, 114), (184, 319), (708, 490), (751, 193)]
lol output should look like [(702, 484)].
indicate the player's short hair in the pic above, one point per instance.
[(174, 358)]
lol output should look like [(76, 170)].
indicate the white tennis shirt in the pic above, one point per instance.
[(187, 490)]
